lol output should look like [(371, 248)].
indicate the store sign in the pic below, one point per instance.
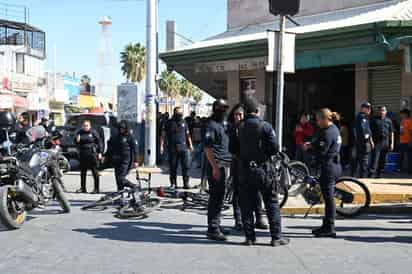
[(288, 52), (6, 101), (22, 83), (233, 65)]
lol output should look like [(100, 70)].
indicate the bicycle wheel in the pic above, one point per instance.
[(352, 197), (105, 201), (298, 172), (132, 210)]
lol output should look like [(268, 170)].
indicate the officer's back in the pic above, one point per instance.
[(257, 140)]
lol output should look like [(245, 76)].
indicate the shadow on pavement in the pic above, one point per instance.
[(151, 232), (372, 239)]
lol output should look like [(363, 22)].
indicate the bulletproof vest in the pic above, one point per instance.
[(177, 132), (250, 141)]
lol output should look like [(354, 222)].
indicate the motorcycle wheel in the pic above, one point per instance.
[(10, 216), (60, 196)]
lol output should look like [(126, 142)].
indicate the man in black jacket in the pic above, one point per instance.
[(125, 154)]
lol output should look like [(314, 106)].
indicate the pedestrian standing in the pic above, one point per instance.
[(363, 140), (257, 144), (384, 139), (180, 145), (90, 152), (405, 139), (303, 133), (22, 126), (216, 146), (125, 154), (327, 150)]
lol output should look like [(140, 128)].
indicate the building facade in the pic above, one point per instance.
[(22, 55), (347, 51)]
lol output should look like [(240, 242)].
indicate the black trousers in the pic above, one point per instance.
[(362, 162), (216, 198), (120, 172), (88, 162), (379, 159), (249, 191), (176, 157), (237, 214), (329, 174)]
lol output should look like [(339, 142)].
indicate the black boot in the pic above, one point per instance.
[(186, 183), (216, 236), (317, 230), (328, 231), (279, 242)]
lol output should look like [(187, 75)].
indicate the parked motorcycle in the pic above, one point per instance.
[(30, 178)]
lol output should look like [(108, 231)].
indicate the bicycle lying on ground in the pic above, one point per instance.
[(133, 201)]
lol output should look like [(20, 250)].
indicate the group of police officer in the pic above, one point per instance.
[(246, 147), (122, 148), (373, 140)]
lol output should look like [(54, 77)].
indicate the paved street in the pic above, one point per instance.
[(171, 241)]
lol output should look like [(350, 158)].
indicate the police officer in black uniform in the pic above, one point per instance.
[(125, 151), (327, 150), (363, 140), (216, 147), (90, 149), (384, 139), (22, 127), (257, 144), (179, 145)]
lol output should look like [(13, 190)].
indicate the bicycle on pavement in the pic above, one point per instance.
[(133, 201)]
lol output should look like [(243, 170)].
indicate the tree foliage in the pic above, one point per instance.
[(133, 60)]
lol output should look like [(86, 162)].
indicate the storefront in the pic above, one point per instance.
[(342, 58), (13, 103)]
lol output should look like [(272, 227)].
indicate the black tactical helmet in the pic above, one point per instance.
[(7, 120), (220, 103)]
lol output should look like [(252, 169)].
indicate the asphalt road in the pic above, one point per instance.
[(172, 241)]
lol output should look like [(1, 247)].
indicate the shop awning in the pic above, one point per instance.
[(341, 37)]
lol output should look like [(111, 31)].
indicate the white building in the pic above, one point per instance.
[(22, 54)]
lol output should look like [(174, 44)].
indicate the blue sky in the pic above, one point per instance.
[(72, 26)]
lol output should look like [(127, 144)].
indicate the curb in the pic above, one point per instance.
[(390, 209)]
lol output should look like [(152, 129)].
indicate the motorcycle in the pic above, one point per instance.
[(30, 178)]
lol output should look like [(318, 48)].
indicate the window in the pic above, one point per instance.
[(19, 62), (14, 36), (2, 35)]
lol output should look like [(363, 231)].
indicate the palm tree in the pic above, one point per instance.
[(169, 84), (186, 88), (133, 60), (197, 95)]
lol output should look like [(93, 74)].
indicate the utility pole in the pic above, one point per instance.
[(280, 82), (151, 60)]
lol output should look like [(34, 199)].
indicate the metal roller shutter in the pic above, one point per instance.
[(385, 88)]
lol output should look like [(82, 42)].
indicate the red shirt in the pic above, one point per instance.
[(303, 133)]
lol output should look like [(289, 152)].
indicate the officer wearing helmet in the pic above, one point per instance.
[(124, 150), (216, 147)]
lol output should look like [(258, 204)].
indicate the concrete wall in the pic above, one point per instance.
[(233, 88), (361, 85), (244, 12)]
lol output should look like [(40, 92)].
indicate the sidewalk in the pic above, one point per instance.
[(388, 195)]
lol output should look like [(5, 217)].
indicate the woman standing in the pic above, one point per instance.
[(303, 133), (90, 152), (327, 150)]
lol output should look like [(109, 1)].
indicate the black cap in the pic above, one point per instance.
[(251, 105), (366, 105), (220, 103)]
